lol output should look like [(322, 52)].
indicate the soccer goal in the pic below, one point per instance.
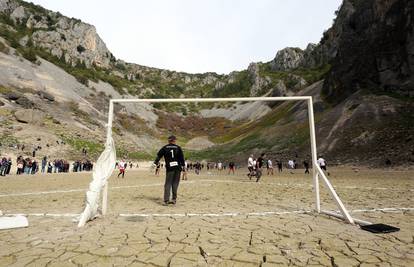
[(105, 164)]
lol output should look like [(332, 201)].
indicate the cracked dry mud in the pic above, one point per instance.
[(213, 223)]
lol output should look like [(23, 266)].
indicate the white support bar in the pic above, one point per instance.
[(83, 217), (335, 197), (105, 199), (340, 216), (233, 99), (314, 155), (108, 136)]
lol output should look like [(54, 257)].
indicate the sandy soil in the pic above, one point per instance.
[(219, 219)]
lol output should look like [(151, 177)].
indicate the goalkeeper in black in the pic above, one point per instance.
[(174, 164)]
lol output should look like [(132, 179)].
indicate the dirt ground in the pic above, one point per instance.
[(219, 220)]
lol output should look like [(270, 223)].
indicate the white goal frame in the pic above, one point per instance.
[(316, 170)]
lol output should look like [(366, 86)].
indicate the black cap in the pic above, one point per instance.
[(172, 138)]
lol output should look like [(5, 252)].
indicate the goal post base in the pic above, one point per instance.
[(340, 216)]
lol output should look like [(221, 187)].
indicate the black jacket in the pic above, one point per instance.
[(173, 155)]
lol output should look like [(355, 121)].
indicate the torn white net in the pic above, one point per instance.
[(101, 172)]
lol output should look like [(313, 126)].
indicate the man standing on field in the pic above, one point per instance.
[(174, 164)]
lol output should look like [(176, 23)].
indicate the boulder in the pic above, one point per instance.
[(279, 89), (12, 96), (18, 14), (31, 116), (46, 96), (24, 102)]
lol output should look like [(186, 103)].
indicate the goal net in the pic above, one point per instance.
[(105, 164)]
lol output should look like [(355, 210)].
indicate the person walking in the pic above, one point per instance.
[(157, 169), (8, 166), (121, 167), (185, 172), (174, 164), (269, 167), (259, 164), (306, 165), (279, 165), (232, 167)]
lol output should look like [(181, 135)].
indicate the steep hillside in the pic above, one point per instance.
[(57, 76)]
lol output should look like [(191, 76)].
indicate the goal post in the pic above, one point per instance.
[(107, 159)]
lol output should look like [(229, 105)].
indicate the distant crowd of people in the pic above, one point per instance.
[(252, 164), (32, 166)]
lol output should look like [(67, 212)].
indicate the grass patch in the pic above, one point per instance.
[(139, 155), (268, 120), (93, 148), (8, 140), (311, 75), (4, 90)]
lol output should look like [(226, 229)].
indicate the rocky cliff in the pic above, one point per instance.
[(71, 39), (375, 49)]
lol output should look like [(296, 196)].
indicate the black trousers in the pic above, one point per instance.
[(172, 181)]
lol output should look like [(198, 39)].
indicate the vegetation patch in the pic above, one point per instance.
[(133, 123), (192, 126), (311, 75), (240, 87), (94, 148), (5, 90)]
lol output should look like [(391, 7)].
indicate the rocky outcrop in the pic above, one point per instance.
[(258, 83), (75, 41), (312, 57), (288, 58), (375, 49), (7, 6), (29, 116)]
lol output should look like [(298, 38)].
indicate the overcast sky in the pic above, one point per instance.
[(200, 36)]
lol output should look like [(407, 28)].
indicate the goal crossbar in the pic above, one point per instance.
[(316, 170)]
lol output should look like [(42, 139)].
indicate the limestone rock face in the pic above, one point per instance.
[(31, 116), (7, 6), (376, 45), (288, 58), (78, 41), (18, 14), (209, 79), (259, 83)]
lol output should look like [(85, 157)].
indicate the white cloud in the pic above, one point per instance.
[(200, 36)]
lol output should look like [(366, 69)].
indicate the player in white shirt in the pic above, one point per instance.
[(219, 166), (121, 167), (291, 164), (269, 167), (250, 163), (322, 163)]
